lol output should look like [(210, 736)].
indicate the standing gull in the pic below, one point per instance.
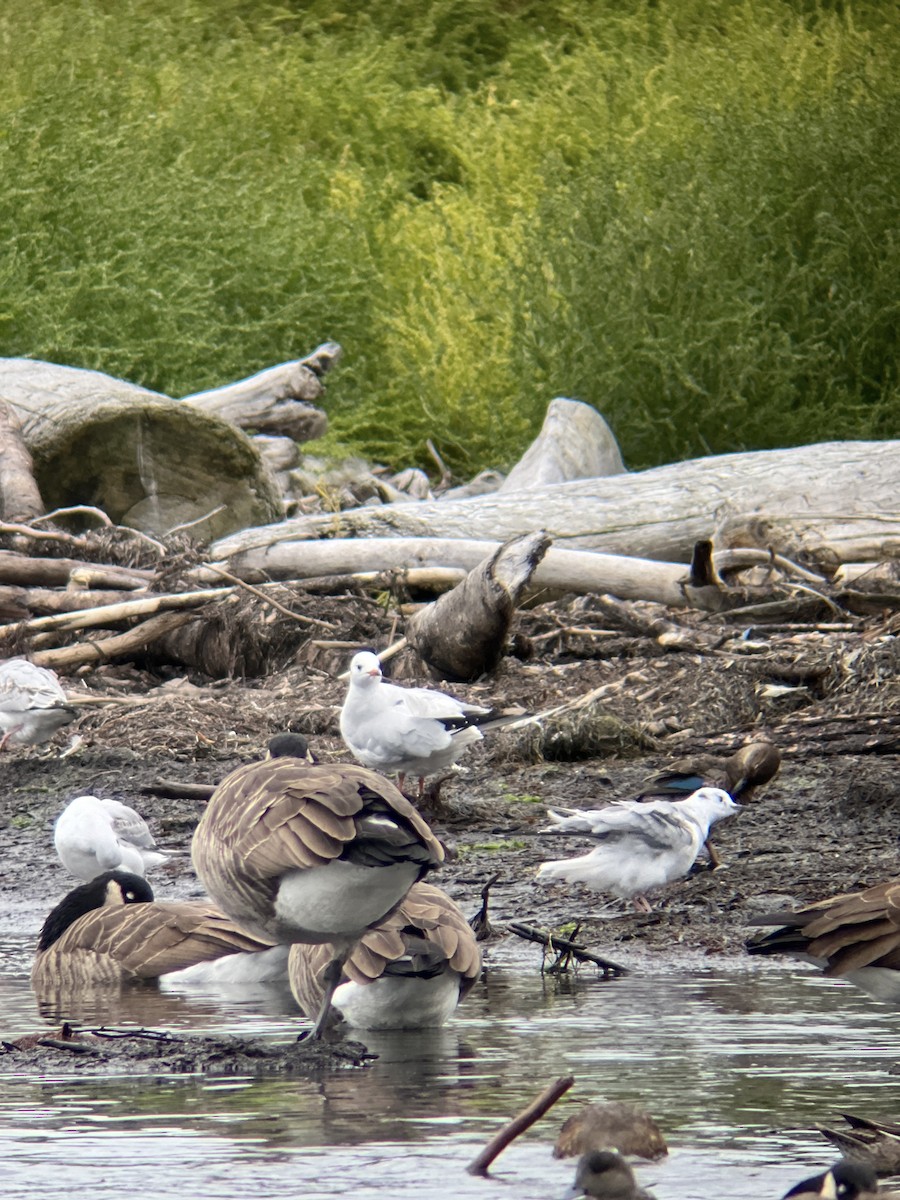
[(408, 730), (92, 835), (32, 703), (641, 846)]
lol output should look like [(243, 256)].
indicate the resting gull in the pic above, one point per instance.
[(93, 835), (32, 703)]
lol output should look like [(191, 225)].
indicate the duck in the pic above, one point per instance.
[(605, 1175), (853, 936), (741, 775), (409, 972), (295, 851), (875, 1142), (93, 835), (405, 730), (33, 703), (620, 1123), (643, 846), (111, 932), (844, 1181)]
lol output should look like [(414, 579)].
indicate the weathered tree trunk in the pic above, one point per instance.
[(463, 633), (574, 443), (277, 400), (149, 462), (560, 571), (833, 502), (20, 498)]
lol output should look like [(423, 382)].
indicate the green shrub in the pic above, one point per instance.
[(680, 212)]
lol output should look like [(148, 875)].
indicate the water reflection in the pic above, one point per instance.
[(722, 1057)]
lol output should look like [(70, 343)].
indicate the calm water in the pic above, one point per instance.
[(735, 1061)]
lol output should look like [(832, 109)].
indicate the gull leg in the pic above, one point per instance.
[(331, 977), (8, 735), (715, 859)]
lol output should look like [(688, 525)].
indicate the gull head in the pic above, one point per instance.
[(365, 668), (708, 805)]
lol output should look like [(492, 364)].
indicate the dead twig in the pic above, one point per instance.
[(524, 1120), (552, 941)]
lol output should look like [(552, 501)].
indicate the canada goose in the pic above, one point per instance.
[(32, 703), (620, 1123), (876, 1142), (854, 936), (110, 932), (408, 730), (641, 846), (409, 972), (301, 852), (740, 775), (844, 1181), (605, 1175), (93, 835)]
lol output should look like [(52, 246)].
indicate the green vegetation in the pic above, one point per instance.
[(681, 212)]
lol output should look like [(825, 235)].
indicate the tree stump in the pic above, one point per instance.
[(463, 633), (575, 442), (147, 461)]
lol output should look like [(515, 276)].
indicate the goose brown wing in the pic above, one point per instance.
[(140, 942)]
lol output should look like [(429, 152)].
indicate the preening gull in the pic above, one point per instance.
[(643, 846)]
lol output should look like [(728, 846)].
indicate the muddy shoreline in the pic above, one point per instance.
[(827, 822)]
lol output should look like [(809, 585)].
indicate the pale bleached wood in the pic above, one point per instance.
[(28, 571), (109, 614), (276, 400), (20, 497), (560, 570), (826, 501), (66, 658), (149, 461), (575, 442)]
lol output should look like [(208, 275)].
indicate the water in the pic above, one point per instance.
[(736, 1061)]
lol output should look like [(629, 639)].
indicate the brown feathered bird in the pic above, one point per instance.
[(854, 936), (741, 774), (873, 1142), (409, 972), (110, 932), (303, 852)]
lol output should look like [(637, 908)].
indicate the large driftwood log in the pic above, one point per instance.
[(149, 462), (574, 443), (463, 633), (277, 400), (836, 501), (560, 571), (20, 498)]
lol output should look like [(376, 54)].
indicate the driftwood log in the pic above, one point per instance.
[(20, 499), (462, 635), (833, 502), (278, 400), (575, 442)]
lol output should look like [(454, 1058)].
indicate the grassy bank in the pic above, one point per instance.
[(682, 213)]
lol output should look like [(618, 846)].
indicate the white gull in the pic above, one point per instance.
[(32, 703), (410, 730), (642, 846), (93, 835)]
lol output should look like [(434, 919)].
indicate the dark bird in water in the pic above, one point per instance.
[(605, 1175), (875, 1142), (110, 932), (844, 1181), (409, 972), (854, 936), (741, 775)]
